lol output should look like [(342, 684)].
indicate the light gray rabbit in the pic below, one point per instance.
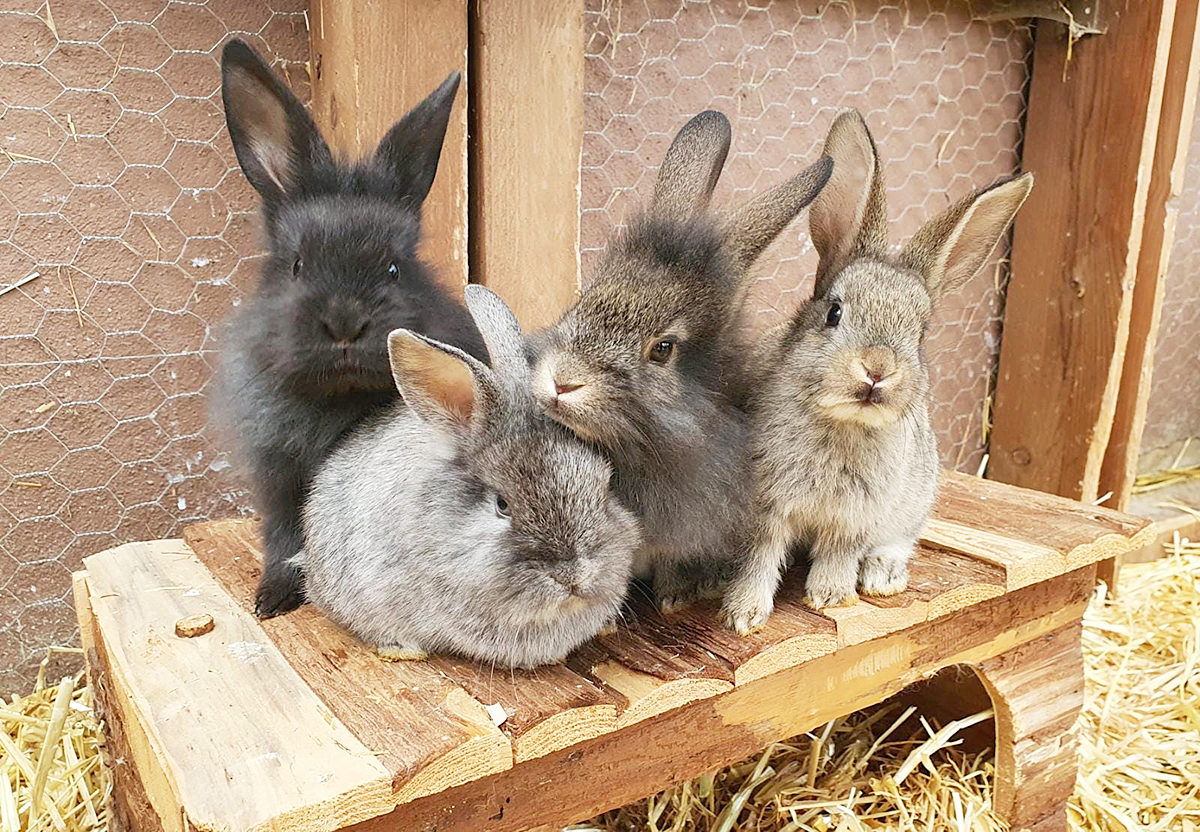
[(647, 364), (467, 522), (846, 461)]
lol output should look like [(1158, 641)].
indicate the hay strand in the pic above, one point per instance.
[(51, 777)]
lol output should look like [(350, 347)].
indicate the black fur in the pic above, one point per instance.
[(306, 359)]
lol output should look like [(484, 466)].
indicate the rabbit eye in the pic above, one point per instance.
[(296, 267), (662, 350), (834, 316), (502, 509), (393, 270)]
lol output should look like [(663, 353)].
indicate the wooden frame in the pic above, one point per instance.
[(1090, 249), (291, 722)]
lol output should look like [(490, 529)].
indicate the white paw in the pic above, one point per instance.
[(885, 571), (401, 654), (746, 617), (821, 591)]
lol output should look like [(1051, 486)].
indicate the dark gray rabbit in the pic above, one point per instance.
[(846, 459), (647, 363), (306, 358), (467, 522)]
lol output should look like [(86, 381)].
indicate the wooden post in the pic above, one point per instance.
[(1090, 137), (526, 140), (1166, 182), (372, 61)]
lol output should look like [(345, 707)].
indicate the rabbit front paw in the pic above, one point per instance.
[(885, 571), (401, 654), (280, 590), (831, 583), (747, 616)]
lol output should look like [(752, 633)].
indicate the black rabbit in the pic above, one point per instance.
[(306, 357)]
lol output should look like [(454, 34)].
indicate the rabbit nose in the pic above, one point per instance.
[(875, 376), (562, 389), (344, 331)]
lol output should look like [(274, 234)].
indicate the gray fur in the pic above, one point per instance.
[(674, 429), (844, 465), (405, 544)]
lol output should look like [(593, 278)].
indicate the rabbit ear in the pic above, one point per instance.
[(752, 227), (500, 330), (411, 149), (274, 137), (440, 383), (849, 218), (949, 250), (692, 166)]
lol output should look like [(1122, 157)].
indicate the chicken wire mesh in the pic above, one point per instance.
[(943, 93), (1173, 415), (119, 189)]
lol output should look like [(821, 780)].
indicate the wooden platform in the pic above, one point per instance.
[(291, 723)]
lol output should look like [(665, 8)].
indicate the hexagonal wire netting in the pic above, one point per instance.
[(120, 190), (1174, 412), (943, 93)]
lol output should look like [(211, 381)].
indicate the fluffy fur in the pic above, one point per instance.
[(845, 458), (466, 522), (647, 367), (306, 357)]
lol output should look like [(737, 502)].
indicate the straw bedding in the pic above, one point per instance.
[(882, 768)]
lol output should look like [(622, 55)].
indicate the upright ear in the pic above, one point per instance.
[(500, 330), (442, 384), (752, 227), (692, 166), (848, 219), (949, 250), (411, 149), (274, 137)]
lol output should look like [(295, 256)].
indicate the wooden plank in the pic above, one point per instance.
[(626, 765), (372, 61), (1081, 532), (1037, 692), (1182, 86), (527, 137), (126, 751), (1075, 247), (426, 731), (228, 759), (547, 708)]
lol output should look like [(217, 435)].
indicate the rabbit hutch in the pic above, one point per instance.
[(1060, 377)]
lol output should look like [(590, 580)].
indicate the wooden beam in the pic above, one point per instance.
[(1089, 137), (526, 140), (1166, 183), (372, 61)]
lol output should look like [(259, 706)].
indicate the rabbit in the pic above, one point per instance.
[(845, 458), (467, 522), (646, 364), (306, 356)]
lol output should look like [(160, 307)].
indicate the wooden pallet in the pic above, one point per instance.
[(291, 723)]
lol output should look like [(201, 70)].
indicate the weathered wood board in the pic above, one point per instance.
[(297, 701)]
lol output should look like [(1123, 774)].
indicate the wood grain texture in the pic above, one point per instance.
[(227, 758), (425, 730), (1075, 249), (623, 766), (1037, 692), (372, 61), (1180, 91), (526, 141), (125, 743)]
